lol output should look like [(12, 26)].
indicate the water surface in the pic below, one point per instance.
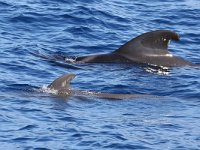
[(36, 120)]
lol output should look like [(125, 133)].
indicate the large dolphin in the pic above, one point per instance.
[(61, 86), (149, 48)]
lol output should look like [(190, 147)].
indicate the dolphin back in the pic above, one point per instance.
[(150, 48), (62, 82)]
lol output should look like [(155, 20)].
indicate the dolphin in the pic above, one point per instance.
[(62, 87), (149, 48)]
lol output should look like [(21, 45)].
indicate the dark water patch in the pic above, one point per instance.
[(29, 127), (78, 135), (4, 4), (42, 148), (22, 139), (23, 18), (26, 110), (44, 139), (82, 30), (69, 17), (126, 146), (170, 127), (68, 119)]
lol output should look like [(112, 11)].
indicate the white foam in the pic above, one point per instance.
[(162, 70), (71, 60), (45, 89)]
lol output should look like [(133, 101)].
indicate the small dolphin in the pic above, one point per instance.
[(149, 48), (62, 87)]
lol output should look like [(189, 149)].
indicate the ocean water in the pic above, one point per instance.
[(33, 119)]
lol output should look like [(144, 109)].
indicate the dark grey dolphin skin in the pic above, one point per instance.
[(62, 86), (149, 48)]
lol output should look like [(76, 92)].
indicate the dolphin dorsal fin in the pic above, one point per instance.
[(62, 82), (148, 44)]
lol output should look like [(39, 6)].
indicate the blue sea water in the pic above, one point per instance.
[(30, 119)]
